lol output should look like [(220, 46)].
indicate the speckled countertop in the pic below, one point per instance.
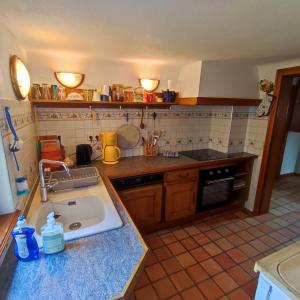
[(96, 267)]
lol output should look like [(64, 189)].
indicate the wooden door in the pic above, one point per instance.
[(180, 200), (144, 204)]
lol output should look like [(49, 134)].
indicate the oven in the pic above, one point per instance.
[(215, 187)]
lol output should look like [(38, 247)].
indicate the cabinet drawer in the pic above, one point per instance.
[(181, 176)]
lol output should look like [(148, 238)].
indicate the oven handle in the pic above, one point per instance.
[(219, 180)]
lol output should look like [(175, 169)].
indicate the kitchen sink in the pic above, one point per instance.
[(82, 211), (289, 271)]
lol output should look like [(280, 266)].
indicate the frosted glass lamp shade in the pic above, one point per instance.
[(68, 79), (149, 85), (20, 77)]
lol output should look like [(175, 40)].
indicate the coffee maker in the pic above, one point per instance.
[(110, 152)]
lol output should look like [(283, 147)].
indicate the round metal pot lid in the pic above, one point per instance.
[(128, 136)]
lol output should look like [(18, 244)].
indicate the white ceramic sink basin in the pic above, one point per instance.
[(289, 271), (83, 211)]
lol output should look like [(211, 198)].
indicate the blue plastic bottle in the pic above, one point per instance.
[(26, 247)]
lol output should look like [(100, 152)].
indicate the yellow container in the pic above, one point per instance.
[(110, 152)]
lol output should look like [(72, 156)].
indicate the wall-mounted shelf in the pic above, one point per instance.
[(180, 101), (80, 104), (218, 101)]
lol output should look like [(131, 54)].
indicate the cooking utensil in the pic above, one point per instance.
[(142, 125), (128, 136), (154, 115)]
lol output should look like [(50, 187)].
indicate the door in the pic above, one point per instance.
[(144, 204), (180, 200)]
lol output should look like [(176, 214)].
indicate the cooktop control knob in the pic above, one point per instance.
[(219, 172), (211, 173), (226, 171)]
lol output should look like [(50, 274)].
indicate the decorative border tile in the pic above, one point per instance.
[(19, 121), (132, 114)]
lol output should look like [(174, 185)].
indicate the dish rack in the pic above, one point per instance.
[(79, 177)]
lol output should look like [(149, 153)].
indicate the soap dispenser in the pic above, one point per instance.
[(52, 235), (26, 247)]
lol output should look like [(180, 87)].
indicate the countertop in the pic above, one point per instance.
[(270, 267), (100, 266), (137, 165), (96, 267)]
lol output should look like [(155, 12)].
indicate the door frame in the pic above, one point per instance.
[(275, 137)]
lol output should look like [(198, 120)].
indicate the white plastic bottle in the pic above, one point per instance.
[(52, 236)]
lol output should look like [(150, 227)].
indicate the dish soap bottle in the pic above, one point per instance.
[(52, 236), (26, 247)]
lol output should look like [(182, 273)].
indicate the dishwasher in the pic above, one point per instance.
[(142, 196)]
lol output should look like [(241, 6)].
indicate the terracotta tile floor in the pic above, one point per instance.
[(214, 258)]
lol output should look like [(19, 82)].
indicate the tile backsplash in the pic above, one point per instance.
[(24, 123), (221, 128)]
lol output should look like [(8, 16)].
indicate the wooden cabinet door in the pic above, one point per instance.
[(144, 204), (180, 200)]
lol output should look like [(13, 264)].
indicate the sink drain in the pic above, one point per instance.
[(75, 225)]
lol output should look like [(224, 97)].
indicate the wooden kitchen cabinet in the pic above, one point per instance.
[(181, 196), (144, 204), (180, 200)]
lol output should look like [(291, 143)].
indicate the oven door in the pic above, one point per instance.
[(214, 193)]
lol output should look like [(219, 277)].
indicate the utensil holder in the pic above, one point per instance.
[(150, 150)]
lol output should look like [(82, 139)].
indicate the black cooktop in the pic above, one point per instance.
[(204, 154)]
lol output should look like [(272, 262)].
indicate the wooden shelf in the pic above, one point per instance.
[(81, 103), (180, 101), (218, 101)]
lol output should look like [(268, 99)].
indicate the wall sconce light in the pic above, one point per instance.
[(149, 85), (68, 79), (19, 77)]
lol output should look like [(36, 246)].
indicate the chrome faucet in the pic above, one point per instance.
[(44, 187)]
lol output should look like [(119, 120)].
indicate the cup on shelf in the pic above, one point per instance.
[(61, 93), (54, 92), (45, 91), (36, 91)]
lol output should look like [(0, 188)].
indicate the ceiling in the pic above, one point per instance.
[(158, 30)]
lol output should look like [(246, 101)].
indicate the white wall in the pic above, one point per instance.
[(8, 46), (22, 117), (229, 79), (42, 66), (268, 71), (189, 79)]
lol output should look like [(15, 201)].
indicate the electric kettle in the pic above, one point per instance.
[(110, 152)]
